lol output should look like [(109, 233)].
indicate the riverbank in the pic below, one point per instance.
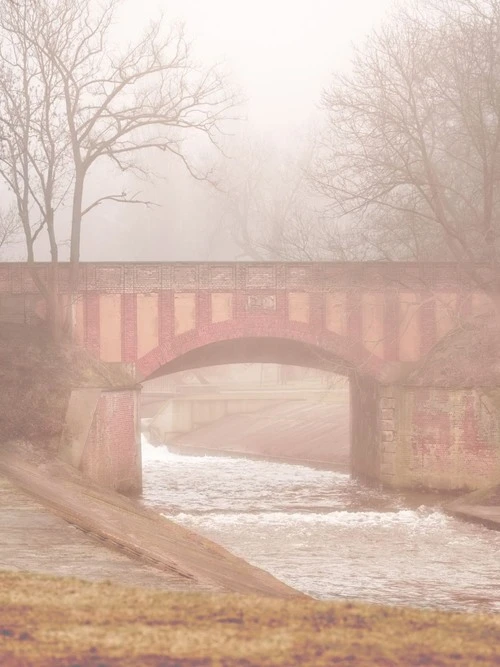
[(481, 506), (36, 379), (139, 532), (35, 540), (49, 622)]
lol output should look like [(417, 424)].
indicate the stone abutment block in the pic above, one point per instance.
[(437, 438), (101, 437)]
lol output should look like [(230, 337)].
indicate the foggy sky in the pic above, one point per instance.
[(280, 54)]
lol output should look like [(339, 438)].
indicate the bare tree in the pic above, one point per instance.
[(116, 106), (411, 154), (79, 100), (265, 203), (33, 157)]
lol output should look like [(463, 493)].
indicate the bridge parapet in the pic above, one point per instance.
[(370, 317), (144, 277)]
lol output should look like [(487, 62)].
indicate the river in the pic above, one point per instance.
[(327, 535)]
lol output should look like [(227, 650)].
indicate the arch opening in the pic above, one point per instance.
[(283, 351), (287, 413), (343, 440)]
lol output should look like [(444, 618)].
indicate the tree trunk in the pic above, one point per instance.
[(55, 311), (76, 224)]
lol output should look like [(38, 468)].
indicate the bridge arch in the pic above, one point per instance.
[(223, 343)]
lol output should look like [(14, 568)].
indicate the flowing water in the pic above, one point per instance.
[(327, 535)]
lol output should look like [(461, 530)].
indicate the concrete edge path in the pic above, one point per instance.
[(488, 515), (140, 532), (480, 506)]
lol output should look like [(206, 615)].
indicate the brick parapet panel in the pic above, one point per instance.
[(126, 277)]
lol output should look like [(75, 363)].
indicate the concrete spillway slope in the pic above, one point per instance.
[(295, 430), (34, 539), (181, 553)]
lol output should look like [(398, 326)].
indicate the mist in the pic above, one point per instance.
[(278, 57), (249, 332)]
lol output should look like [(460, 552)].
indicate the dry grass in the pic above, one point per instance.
[(47, 621)]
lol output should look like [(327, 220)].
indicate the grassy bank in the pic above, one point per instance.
[(36, 379), (46, 621)]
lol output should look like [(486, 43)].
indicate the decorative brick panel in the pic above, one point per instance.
[(221, 277), (185, 277), (148, 278), (260, 303), (261, 277), (298, 276), (109, 278)]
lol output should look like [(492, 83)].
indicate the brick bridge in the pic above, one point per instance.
[(372, 321)]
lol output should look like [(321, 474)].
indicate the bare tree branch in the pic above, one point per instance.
[(121, 198), (70, 99), (411, 148)]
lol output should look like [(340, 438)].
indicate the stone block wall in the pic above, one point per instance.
[(438, 438), (388, 444), (365, 427), (102, 437)]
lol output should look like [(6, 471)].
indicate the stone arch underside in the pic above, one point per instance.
[(222, 343)]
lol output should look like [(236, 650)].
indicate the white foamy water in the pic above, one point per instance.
[(326, 534)]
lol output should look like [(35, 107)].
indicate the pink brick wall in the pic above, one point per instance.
[(112, 453)]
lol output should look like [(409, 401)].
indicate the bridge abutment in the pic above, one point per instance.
[(425, 438), (364, 427), (101, 437)]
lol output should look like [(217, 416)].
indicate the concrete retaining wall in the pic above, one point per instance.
[(181, 415), (102, 439)]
